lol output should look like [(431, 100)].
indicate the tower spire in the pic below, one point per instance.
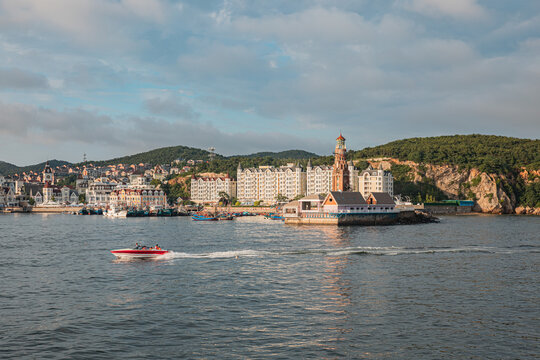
[(340, 171)]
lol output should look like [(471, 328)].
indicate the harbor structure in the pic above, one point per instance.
[(375, 180), (208, 189), (342, 208), (267, 183)]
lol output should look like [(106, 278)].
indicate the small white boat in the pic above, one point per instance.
[(113, 212)]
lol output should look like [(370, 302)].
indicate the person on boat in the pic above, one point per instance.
[(157, 247), (137, 246)]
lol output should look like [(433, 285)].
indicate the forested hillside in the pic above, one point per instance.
[(164, 155), (288, 154), (487, 153), (8, 169)]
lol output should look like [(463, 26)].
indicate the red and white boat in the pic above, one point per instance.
[(139, 253)]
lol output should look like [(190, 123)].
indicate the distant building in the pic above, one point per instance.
[(371, 181), (265, 183), (207, 189)]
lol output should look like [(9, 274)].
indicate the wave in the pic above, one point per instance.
[(364, 250)]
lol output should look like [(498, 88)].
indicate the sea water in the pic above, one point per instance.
[(467, 287)]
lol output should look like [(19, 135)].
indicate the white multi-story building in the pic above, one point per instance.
[(373, 181), (319, 178), (98, 191), (207, 189), (265, 183)]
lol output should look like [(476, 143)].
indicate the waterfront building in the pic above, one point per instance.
[(342, 208), (207, 189), (137, 198), (371, 180), (69, 195), (340, 172), (99, 190), (318, 179), (266, 183), (7, 197)]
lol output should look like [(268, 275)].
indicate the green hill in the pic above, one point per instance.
[(488, 153), (9, 169), (164, 155), (288, 154)]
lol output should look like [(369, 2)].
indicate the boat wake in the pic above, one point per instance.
[(364, 250)]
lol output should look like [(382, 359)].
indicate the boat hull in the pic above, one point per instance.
[(138, 254)]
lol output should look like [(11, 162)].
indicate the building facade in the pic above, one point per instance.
[(375, 181), (137, 198), (267, 183), (318, 179), (99, 190), (207, 189)]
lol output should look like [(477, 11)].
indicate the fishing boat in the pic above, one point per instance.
[(273, 217), (198, 217)]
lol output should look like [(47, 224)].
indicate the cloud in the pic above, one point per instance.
[(50, 126), (93, 23), (13, 78), (171, 107), (459, 9), (129, 134)]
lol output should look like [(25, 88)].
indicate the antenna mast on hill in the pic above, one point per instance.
[(212, 154), (84, 158)]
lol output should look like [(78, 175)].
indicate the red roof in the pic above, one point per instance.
[(340, 137)]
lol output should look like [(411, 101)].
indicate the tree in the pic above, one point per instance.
[(155, 182), (298, 197), (257, 203), (224, 198), (281, 198), (31, 201), (82, 198)]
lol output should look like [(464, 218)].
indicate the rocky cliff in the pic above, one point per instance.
[(492, 192)]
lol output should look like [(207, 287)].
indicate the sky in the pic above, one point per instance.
[(115, 77)]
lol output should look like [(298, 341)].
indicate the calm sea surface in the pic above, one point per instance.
[(468, 287)]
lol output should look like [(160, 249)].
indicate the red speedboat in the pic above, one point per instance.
[(147, 253)]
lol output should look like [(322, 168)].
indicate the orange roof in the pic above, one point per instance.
[(340, 137)]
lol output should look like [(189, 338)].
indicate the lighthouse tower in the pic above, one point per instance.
[(340, 172)]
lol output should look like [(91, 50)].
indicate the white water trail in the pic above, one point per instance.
[(216, 255), (363, 250)]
